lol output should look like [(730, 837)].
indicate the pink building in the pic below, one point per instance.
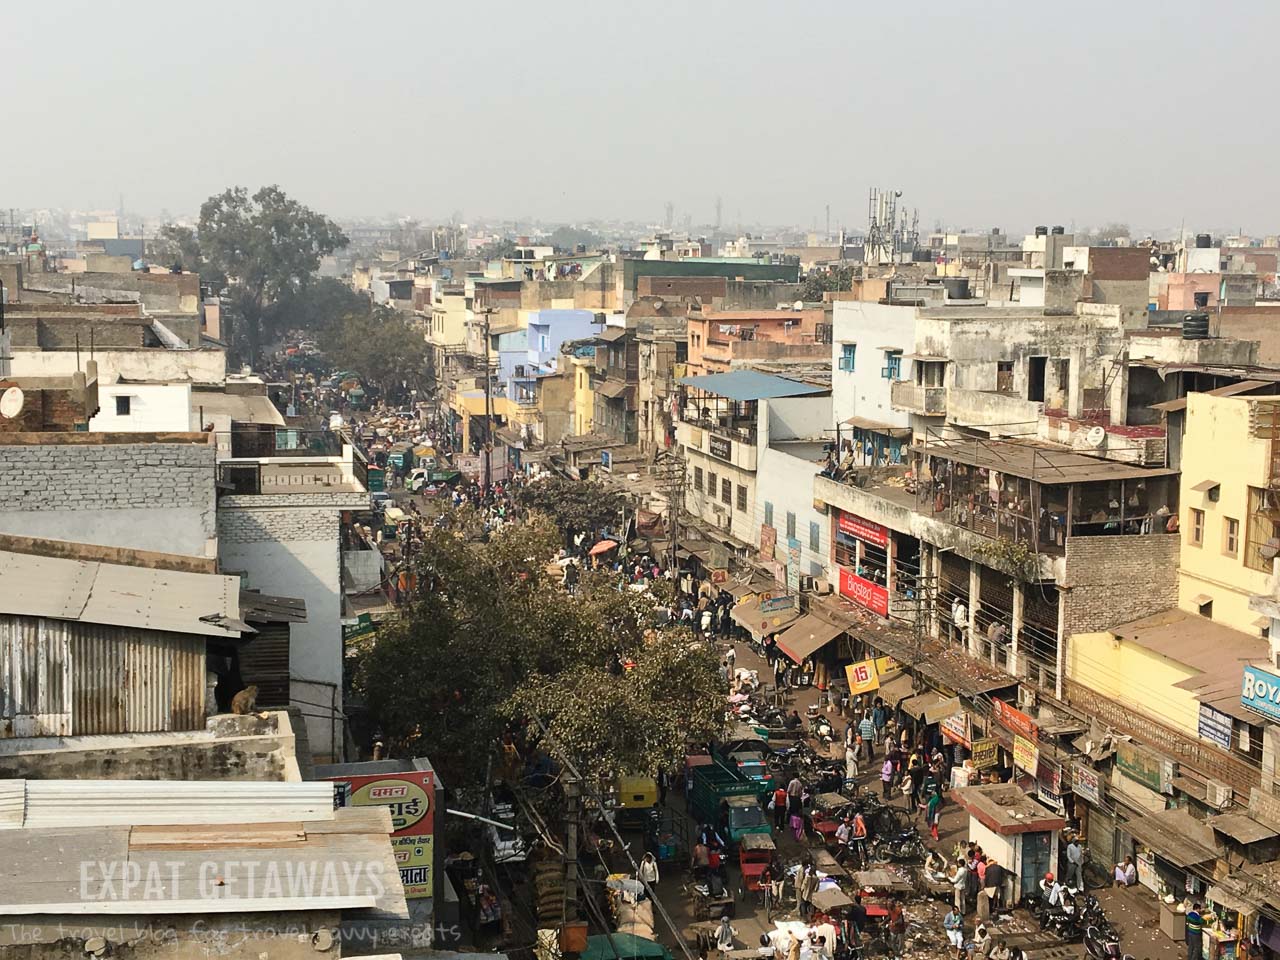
[(716, 339)]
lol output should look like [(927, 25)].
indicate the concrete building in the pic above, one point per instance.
[(871, 351), (724, 422), (721, 340), (661, 333)]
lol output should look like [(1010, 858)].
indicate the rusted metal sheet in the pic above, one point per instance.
[(34, 670), (133, 681)]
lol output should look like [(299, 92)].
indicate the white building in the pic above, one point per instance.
[(871, 348)]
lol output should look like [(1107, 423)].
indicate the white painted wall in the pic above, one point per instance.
[(786, 481), (153, 407), (206, 365), (864, 392)]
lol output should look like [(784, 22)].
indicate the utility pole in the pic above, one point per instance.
[(923, 607), (572, 793), (671, 476), (487, 312)]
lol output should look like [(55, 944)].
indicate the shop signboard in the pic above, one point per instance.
[(862, 677), (793, 565), (411, 797), (1086, 783), (886, 666), (865, 530), (1215, 726), (720, 576), (1014, 720), (956, 729), (1145, 767), (864, 593), (768, 540), (1026, 756), (1260, 691), (773, 602), (986, 753), (719, 447)]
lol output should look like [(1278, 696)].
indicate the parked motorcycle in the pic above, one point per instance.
[(821, 730), (1102, 942)]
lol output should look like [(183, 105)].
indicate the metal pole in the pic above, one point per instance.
[(488, 406)]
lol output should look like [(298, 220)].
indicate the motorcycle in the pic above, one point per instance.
[(1102, 942), (821, 730), (902, 847)]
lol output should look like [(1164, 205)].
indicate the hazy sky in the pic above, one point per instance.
[(983, 113)]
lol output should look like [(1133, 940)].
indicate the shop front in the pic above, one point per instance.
[(1014, 828), (864, 558)]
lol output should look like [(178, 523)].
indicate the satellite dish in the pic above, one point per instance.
[(1096, 436), (11, 403), (798, 305)]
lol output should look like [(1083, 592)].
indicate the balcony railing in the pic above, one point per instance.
[(917, 398), (743, 433)]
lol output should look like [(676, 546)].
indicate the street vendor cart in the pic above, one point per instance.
[(755, 854), (830, 900)]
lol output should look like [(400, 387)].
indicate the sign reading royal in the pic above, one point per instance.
[(1260, 691)]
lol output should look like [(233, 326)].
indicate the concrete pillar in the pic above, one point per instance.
[(1075, 384), (975, 597), (931, 567), (1015, 628), (1118, 395), (1061, 663)]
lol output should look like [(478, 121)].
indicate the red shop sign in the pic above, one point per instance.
[(864, 530), (1014, 719), (864, 593)]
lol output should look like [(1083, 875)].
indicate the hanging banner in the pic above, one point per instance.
[(1215, 726), (854, 526), (886, 666), (862, 677), (768, 540), (1049, 782), (1145, 766), (1026, 756), (1013, 719), (864, 593), (793, 565), (986, 753)]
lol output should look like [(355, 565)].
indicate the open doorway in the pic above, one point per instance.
[(1036, 367)]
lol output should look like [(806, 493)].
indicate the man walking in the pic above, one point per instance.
[(1075, 864), (867, 730), (1195, 932)]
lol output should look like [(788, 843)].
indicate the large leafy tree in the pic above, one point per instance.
[(268, 246), (381, 346), (574, 506), (819, 281), (491, 640)]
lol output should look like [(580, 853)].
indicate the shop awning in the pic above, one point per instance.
[(807, 635), (895, 689), (760, 624), (1176, 836), (737, 590), (941, 710), (875, 426), (1228, 901), (920, 705), (1242, 827)]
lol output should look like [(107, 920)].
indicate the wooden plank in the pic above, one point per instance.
[(197, 836)]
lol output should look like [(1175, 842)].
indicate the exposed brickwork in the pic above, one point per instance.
[(290, 524), (1112, 580)]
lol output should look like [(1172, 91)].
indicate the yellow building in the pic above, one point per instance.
[(583, 397), (1225, 499)]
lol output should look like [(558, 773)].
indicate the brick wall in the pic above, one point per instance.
[(284, 525), (86, 477), (1112, 580)]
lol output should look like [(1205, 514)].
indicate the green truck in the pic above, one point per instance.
[(723, 797)]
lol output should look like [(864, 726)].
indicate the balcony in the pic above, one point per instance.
[(918, 399), (734, 445)]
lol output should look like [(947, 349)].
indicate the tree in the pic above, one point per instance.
[(492, 642), (319, 305), (566, 239), (267, 246), (498, 250), (572, 505), (178, 246), (382, 347), (818, 282)]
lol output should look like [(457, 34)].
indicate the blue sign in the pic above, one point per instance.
[(606, 460), (1261, 692), (1215, 726)]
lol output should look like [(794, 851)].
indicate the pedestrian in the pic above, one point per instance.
[(648, 871), (1075, 864), (879, 717), (959, 620), (780, 808), (725, 673), (856, 917), (1126, 873), (1195, 932), (916, 774), (991, 897), (897, 922), (981, 945), (731, 657), (806, 887), (725, 935), (953, 925), (933, 813), (867, 730), (886, 778), (850, 766), (959, 884)]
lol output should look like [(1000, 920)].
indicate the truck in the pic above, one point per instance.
[(744, 748), (726, 799)]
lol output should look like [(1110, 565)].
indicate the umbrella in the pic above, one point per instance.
[(603, 547)]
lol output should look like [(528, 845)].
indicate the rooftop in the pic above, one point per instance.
[(741, 385), (1217, 652), (1005, 809), (1042, 463)]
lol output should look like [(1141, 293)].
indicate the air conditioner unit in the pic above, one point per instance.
[(806, 583), (1026, 698), (821, 587), (1217, 793)]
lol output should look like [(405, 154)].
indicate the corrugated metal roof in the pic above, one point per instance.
[(751, 385), (1230, 390), (126, 596)]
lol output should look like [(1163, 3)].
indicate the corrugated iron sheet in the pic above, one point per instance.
[(264, 661), (34, 672), (134, 681)]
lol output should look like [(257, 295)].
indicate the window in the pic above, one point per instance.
[(815, 536), (1195, 528), (1260, 530), (1004, 376), (892, 364), (697, 479), (1205, 609), (711, 484), (122, 406), (742, 498), (791, 525), (768, 513), (847, 353), (726, 491), (1230, 536)]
